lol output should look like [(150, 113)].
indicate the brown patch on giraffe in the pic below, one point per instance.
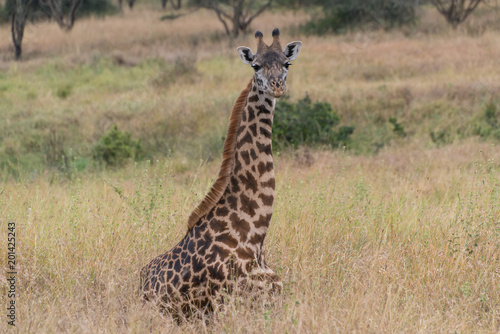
[(269, 102), (249, 181), (265, 167), (222, 211), (244, 254), (246, 157), (262, 110), (227, 239), (217, 271), (233, 202), (240, 130), (235, 187), (227, 166), (240, 225), (263, 221), (218, 225), (265, 148), (251, 114), (237, 164), (247, 138), (248, 205), (266, 200), (253, 128), (254, 156), (271, 183), (257, 239), (265, 132), (216, 251), (267, 121), (253, 98)]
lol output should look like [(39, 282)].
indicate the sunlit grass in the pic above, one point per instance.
[(408, 240), (393, 234)]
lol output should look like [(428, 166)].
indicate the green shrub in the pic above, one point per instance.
[(487, 126), (97, 7), (307, 123), (340, 15), (64, 91), (398, 127), (116, 147), (5, 11)]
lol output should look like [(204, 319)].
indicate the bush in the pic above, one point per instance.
[(307, 123), (341, 15), (487, 126), (116, 147), (5, 12), (97, 7)]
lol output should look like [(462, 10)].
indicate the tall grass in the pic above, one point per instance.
[(405, 241), (401, 238)]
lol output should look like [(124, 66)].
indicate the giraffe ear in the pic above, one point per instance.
[(292, 50), (246, 55)]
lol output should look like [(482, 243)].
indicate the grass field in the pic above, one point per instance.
[(396, 233)]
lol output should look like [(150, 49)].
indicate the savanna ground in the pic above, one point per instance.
[(399, 232)]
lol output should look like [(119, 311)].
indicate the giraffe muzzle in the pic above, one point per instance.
[(278, 88)]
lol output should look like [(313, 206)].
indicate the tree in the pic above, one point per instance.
[(456, 11), (235, 13), (339, 16), (62, 11), (18, 22), (65, 19), (176, 4), (130, 3)]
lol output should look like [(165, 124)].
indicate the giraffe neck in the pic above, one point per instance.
[(250, 192)]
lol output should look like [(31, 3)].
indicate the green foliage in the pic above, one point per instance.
[(170, 17), (116, 147), (488, 125), (338, 16), (308, 123), (97, 7), (440, 137), (4, 13), (398, 127), (64, 91)]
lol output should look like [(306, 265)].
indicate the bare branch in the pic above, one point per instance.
[(56, 10), (237, 12), (260, 11), (219, 16), (456, 11)]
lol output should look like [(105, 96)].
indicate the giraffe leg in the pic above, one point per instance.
[(261, 280)]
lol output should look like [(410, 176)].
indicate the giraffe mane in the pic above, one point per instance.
[(217, 190)]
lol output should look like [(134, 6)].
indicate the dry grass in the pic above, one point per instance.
[(406, 240)]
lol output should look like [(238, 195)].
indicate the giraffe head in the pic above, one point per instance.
[(270, 63)]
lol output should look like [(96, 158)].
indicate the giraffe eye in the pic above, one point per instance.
[(256, 67), (287, 65)]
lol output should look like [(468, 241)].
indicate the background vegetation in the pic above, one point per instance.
[(394, 227)]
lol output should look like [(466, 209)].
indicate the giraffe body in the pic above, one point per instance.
[(223, 247)]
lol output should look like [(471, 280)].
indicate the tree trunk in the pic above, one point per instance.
[(17, 26)]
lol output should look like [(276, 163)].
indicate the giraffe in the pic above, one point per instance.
[(223, 246)]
